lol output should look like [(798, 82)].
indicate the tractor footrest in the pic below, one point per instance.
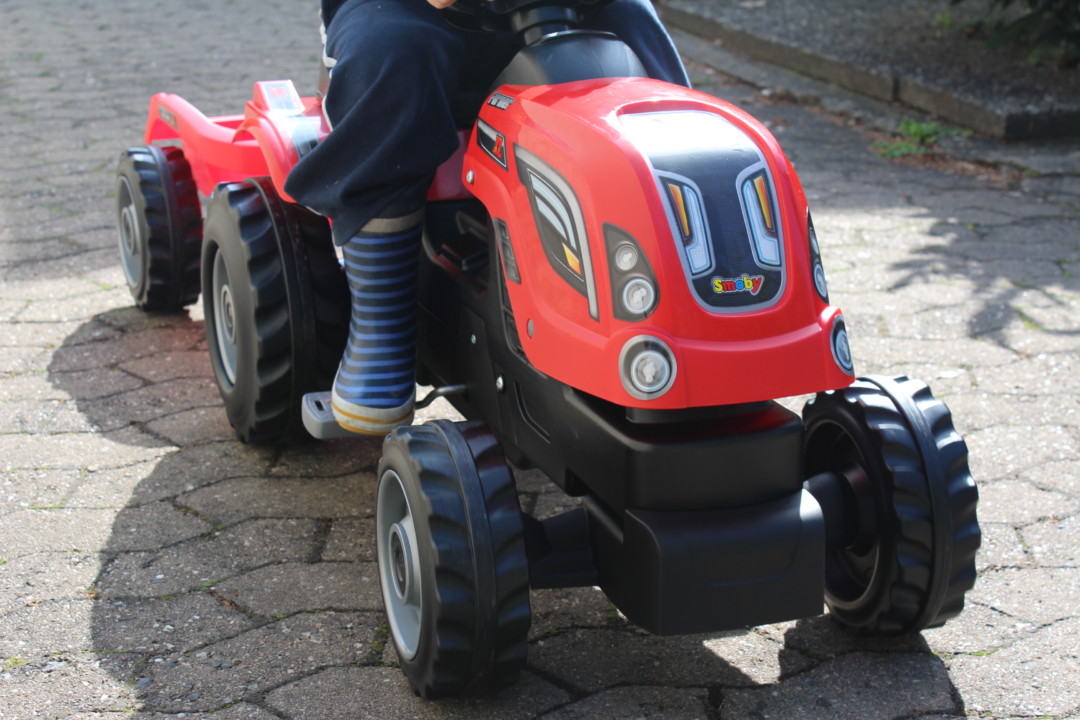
[(319, 417)]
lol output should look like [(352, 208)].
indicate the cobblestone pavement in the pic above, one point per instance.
[(151, 564)]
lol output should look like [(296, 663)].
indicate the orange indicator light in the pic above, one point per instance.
[(680, 208), (763, 198), (572, 260)]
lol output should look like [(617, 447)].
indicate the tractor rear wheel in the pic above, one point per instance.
[(276, 307), (159, 225)]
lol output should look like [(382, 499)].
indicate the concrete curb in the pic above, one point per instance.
[(997, 109)]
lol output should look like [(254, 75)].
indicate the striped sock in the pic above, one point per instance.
[(375, 387)]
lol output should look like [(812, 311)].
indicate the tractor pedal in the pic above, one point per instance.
[(319, 417)]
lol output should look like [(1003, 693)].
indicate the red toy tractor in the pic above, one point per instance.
[(619, 277)]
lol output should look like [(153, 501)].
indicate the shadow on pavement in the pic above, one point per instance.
[(244, 576)]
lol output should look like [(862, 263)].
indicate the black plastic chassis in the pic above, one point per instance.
[(692, 520)]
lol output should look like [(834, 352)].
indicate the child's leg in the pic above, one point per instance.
[(636, 23), (394, 75)]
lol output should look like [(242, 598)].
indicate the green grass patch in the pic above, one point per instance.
[(916, 138)]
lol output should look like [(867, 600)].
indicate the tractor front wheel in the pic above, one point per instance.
[(452, 564), (907, 556)]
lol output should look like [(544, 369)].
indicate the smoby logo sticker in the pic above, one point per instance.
[(746, 283)]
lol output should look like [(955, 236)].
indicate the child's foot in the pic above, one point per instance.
[(368, 420)]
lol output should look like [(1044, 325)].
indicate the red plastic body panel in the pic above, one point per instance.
[(720, 359), (265, 140), (779, 351)]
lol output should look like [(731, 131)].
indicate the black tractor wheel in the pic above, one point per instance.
[(907, 555), (276, 307), (452, 564), (159, 224)]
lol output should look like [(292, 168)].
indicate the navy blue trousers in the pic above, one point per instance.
[(400, 68)]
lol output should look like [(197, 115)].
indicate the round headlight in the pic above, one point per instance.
[(647, 367), (650, 371), (638, 296), (626, 256)]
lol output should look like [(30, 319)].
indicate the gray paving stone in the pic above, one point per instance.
[(178, 336), (42, 576), (1052, 375), (52, 417), (37, 334), (23, 360), (934, 358), (557, 610), (330, 459), (152, 402), (350, 540), (1037, 595), (193, 427), (170, 366), (154, 525), (1002, 546), (553, 502), (240, 711), (975, 631), (635, 703), (1054, 542), (55, 530), (202, 562), (67, 684), (1053, 475), (257, 661), (237, 499), (593, 659), (860, 686), (1043, 675), (107, 487), (367, 693), (45, 629), (94, 383), (81, 301), (290, 588), (162, 626), (29, 386), (75, 450), (190, 468), (987, 409), (25, 489), (1021, 502), (822, 637), (999, 452)]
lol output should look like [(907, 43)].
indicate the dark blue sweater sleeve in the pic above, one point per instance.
[(329, 7)]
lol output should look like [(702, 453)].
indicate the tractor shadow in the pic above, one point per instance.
[(242, 575)]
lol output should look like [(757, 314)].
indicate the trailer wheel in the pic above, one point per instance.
[(452, 563), (159, 227), (276, 307), (910, 555)]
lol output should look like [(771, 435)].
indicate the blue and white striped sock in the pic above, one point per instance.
[(375, 387)]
